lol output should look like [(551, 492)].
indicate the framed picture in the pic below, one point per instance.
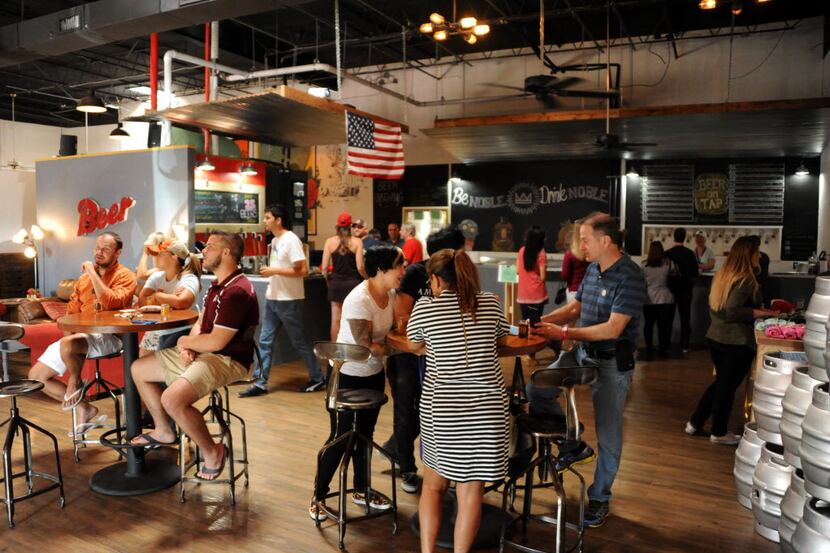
[(312, 221)]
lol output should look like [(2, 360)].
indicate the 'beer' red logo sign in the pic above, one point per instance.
[(94, 217)]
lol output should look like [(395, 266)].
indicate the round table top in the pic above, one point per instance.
[(513, 346), (106, 322)]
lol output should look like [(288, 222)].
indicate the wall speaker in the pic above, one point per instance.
[(154, 136), (69, 145)]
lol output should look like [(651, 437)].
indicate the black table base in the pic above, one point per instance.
[(488, 532), (160, 471)]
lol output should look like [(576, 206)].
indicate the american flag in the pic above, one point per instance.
[(374, 149)]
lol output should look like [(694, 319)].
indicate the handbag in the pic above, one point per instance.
[(561, 295)]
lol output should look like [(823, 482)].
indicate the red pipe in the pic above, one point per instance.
[(154, 70)]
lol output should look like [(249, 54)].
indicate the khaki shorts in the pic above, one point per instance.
[(206, 373)]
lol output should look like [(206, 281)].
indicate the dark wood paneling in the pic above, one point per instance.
[(16, 275)]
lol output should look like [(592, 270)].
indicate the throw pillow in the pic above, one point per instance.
[(55, 309)]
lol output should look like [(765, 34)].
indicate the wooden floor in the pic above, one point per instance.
[(674, 493)]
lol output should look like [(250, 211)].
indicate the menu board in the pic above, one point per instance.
[(214, 206)]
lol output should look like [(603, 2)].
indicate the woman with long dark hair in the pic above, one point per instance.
[(368, 314), (342, 265), (464, 405), (734, 301), (659, 305), (532, 269)]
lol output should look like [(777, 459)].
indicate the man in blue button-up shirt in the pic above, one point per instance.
[(608, 307)]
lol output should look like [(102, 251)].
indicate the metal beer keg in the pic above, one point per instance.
[(815, 333), (771, 383), (815, 444), (812, 534), (746, 457), (769, 484), (797, 399), (792, 509)]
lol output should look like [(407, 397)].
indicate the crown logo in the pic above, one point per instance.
[(523, 199)]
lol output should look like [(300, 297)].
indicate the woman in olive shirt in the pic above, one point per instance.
[(734, 301)]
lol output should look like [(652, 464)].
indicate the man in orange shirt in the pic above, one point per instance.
[(105, 282), (413, 251)]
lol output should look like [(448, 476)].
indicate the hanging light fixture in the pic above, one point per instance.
[(118, 133), (802, 170), (248, 170), (737, 7), (205, 165), (468, 27), (708, 4), (91, 104)]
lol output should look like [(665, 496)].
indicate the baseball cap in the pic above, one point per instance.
[(359, 223), (176, 248), (700, 233), (344, 219)]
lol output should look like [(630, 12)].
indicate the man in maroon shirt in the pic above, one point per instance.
[(218, 350)]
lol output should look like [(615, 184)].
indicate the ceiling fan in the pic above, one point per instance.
[(548, 88), (609, 141), (13, 164)]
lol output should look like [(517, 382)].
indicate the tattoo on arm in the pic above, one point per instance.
[(361, 331)]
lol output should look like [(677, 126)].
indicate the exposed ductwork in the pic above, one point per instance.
[(106, 21)]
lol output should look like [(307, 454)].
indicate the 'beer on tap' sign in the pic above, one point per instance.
[(94, 217)]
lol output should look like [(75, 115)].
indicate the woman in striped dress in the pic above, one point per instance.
[(464, 405)]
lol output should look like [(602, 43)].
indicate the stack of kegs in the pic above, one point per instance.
[(746, 457), (812, 533), (815, 333), (792, 510), (769, 484)]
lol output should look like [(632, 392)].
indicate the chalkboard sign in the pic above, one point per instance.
[(213, 206)]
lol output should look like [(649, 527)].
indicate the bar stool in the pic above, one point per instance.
[(218, 412), (549, 430), (352, 400), (102, 388), (10, 333), (20, 426)]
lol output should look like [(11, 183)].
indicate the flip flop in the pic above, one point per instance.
[(85, 427), (76, 397), (152, 443), (214, 472)]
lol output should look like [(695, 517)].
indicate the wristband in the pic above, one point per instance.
[(564, 332)]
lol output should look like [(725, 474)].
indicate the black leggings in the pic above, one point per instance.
[(732, 363), (663, 315), (341, 422)]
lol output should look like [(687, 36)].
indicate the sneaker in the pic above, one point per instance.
[(253, 391), (596, 514), (409, 482), (727, 439), (313, 386), (376, 502), (690, 428), (582, 454), (315, 512)]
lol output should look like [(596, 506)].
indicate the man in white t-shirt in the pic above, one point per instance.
[(284, 301)]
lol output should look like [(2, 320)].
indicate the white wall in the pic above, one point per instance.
[(17, 210)]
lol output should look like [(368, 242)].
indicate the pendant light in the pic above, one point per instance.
[(205, 165), (91, 104), (248, 170)]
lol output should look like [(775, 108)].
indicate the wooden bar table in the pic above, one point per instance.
[(140, 474), (491, 516)]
